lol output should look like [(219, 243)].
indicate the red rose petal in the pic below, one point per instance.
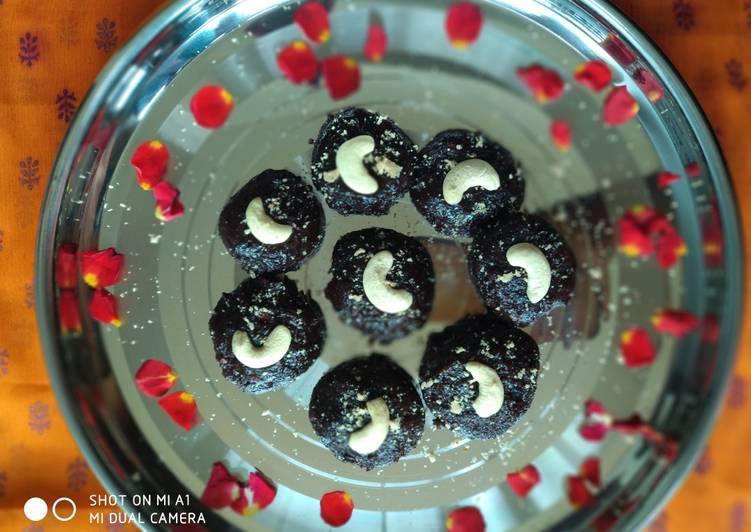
[(593, 432), (264, 492), (713, 250), (313, 20), (643, 215), (298, 63), (165, 194), (627, 506), (605, 521), (66, 266), (336, 508), (649, 85), (102, 268), (341, 75), (714, 244), (544, 84), (523, 481), (175, 210), (168, 205), (665, 179), (669, 449), (578, 493), (710, 330), (465, 519), (596, 423), (649, 221), (634, 424), (241, 504), (647, 431), (666, 447), (150, 161), (181, 407), (637, 348), (211, 106), (376, 44), (594, 407), (658, 226), (221, 489), (620, 107), (463, 24), (618, 50), (154, 378), (693, 170), (632, 239), (561, 135), (590, 471), (68, 312), (669, 248), (594, 75), (675, 322), (103, 308)]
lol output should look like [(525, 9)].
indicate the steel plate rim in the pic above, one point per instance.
[(734, 264), (45, 311)]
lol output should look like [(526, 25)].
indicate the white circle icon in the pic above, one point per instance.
[(35, 509), (72, 509)]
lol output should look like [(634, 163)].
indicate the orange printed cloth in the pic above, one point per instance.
[(51, 50)]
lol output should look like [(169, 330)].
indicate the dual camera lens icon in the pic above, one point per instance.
[(35, 509)]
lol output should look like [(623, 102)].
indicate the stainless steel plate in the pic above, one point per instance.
[(178, 270)]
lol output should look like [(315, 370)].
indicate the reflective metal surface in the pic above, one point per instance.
[(176, 271)]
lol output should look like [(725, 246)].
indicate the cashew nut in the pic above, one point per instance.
[(369, 438), (263, 227), (380, 292), (350, 165), (490, 389), (273, 350), (468, 174), (533, 261)]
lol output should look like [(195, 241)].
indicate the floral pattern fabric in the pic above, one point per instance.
[(50, 52)]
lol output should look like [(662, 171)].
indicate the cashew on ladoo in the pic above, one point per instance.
[(274, 348)]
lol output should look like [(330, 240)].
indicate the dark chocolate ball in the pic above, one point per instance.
[(287, 201), (503, 287), (256, 308), (389, 164), (339, 408), (449, 389), (465, 210), (411, 271)]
